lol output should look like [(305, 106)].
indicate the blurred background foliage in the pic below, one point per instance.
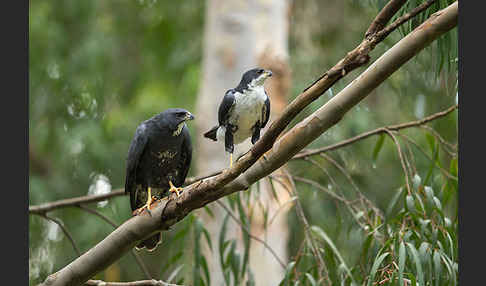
[(99, 68)]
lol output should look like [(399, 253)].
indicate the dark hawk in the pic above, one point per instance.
[(158, 161), (244, 111)]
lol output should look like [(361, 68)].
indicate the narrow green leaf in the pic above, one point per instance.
[(418, 264), (208, 237), (410, 203), (222, 244), (402, 258), (209, 211), (394, 201), (366, 246), (274, 192), (435, 160), (378, 147), (437, 268), (449, 265), (172, 260), (416, 180), (319, 231), (375, 266), (437, 204), (174, 273), (310, 279), (288, 272), (206, 270), (431, 141)]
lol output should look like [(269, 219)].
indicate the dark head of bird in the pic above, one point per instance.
[(253, 78), (174, 118)]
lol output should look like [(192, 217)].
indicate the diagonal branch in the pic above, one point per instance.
[(167, 212), (310, 94), (390, 9), (65, 231)]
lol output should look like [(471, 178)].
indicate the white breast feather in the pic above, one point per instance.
[(247, 111)]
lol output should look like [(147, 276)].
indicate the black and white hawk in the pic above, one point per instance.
[(243, 112)]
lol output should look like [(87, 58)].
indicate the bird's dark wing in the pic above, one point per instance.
[(225, 107), (265, 112), (186, 156), (135, 151)]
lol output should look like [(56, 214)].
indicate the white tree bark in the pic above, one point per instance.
[(240, 35)]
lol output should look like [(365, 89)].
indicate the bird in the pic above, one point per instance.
[(157, 163), (243, 111)]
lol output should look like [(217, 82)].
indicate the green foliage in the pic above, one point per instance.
[(98, 68)]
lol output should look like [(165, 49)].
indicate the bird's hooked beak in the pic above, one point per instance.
[(267, 73), (189, 116)]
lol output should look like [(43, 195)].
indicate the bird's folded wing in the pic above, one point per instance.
[(226, 106)]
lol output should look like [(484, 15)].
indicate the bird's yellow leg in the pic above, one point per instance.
[(174, 189), (231, 160), (149, 202)]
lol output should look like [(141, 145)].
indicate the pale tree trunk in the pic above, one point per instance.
[(240, 35)]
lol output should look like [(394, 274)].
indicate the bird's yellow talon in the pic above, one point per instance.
[(150, 200), (174, 189)]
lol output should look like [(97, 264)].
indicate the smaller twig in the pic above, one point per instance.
[(413, 169), (245, 229), (445, 172), (320, 187), (300, 213), (445, 144), (362, 197), (380, 130), (282, 207), (151, 282), (64, 230), (409, 189), (95, 212), (44, 208), (379, 36)]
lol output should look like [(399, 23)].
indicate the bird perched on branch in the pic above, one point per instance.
[(243, 112), (158, 160)]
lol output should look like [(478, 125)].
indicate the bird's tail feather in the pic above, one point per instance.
[(150, 243), (211, 134)]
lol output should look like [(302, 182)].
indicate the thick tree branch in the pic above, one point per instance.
[(304, 99), (167, 212), (80, 201)]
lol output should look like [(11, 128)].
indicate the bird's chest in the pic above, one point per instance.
[(161, 159), (247, 111)]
